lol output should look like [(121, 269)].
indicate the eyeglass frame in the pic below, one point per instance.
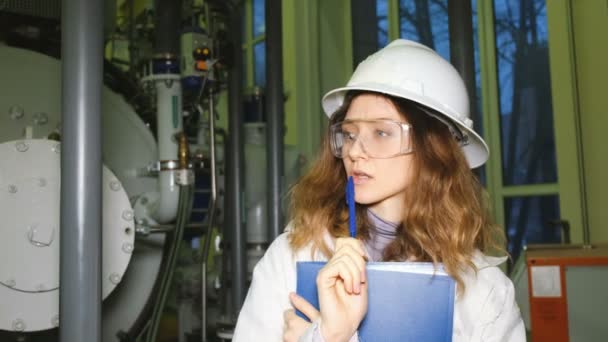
[(403, 125)]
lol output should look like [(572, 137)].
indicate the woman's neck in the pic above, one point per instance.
[(391, 210)]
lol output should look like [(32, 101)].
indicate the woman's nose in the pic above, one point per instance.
[(357, 150)]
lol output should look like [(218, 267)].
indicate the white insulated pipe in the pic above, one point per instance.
[(169, 122)]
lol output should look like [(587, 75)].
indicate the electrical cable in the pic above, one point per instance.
[(184, 206)]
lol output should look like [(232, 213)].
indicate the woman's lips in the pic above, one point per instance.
[(361, 177)]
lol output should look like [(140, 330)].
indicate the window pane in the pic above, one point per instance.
[(382, 18), (259, 56), (530, 220), (426, 21), (259, 18), (526, 113)]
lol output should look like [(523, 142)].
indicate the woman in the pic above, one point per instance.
[(401, 129)]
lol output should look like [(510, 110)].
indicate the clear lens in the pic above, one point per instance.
[(376, 138)]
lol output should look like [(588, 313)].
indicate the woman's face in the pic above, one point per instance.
[(379, 183)]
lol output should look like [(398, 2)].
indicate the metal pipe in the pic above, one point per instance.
[(460, 18), (210, 220), (234, 178), (275, 117), (167, 228), (81, 167), (185, 204), (183, 151), (166, 39), (169, 123), (168, 102)]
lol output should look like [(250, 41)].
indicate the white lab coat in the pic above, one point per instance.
[(486, 312)]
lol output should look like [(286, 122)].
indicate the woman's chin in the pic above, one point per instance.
[(366, 199)]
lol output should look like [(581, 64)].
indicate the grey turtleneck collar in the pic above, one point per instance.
[(382, 233)]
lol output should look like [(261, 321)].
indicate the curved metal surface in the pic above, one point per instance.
[(32, 84)]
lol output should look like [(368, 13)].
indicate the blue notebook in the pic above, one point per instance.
[(406, 301)]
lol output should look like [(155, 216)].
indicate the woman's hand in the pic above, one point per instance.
[(295, 326), (342, 287)]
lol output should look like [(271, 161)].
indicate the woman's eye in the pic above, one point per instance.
[(382, 133), (348, 135)]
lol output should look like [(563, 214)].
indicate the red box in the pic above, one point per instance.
[(547, 286)]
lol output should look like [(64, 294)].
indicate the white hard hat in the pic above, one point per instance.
[(412, 71)]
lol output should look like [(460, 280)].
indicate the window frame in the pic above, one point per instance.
[(570, 182)]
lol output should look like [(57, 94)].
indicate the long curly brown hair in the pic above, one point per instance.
[(447, 217)]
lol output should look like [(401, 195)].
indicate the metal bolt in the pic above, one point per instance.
[(12, 189), (41, 118), (11, 283), (18, 325), (55, 321), (115, 278), (57, 148), (115, 185), (127, 247), (21, 146), (42, 182), (127, 215), (16, 112)]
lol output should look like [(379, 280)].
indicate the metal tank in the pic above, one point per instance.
[(30, 147)]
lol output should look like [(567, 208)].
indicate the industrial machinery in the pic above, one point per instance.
[(166, 170)]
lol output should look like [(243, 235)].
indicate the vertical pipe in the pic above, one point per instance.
[(365, 40), (460, 18), (109, 17), (210, 219), (80, 254), (169, 123), (168, 103), (166, 39), (275, 117), (234, 184)]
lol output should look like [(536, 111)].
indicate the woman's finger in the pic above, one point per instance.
[(294, 326), (303, 306), (354, 270), (330, 273), (345, 269), (344, 273), (356, 244), (356, 258)]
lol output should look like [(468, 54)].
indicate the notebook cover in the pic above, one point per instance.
[(406, 301)]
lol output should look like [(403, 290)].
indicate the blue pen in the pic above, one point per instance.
[(350, 200)]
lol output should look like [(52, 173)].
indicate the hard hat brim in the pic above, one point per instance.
[(476, 151)]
